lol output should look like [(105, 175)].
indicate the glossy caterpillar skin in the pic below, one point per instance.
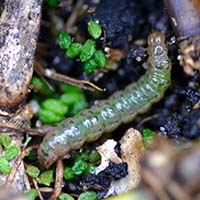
[(122, 107)]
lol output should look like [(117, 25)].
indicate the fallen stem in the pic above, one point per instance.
[(59, 180), (15, 167), (87, 85)]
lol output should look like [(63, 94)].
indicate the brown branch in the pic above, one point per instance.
[(87, 85), (72, 18), (185, 16), (59, 180), (17, 164), (37, 188)]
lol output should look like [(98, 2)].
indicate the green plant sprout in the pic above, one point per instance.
[(87, 52), (69, 101), (9, 152)]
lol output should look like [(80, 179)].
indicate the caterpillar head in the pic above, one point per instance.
[(157, 50)]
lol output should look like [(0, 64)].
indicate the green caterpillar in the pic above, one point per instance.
[(121, 107)]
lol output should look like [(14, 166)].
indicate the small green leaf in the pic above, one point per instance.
[(65, 196), (64, 40), (68, 173), (39, 83), (4, 166), (148, 133), (84, 155), (31, 194), (82, 104), (49, 117), (89, 66), (79, 167), (66, 88), (100, 58), (5, 140), (46, 178), (74, 50), (71, 99), (55, 106), (88, 196), (32, 171), (94, 157), (147, 137), (87, 50), (94, 29), (12, 152)]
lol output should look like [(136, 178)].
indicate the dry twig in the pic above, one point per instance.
[(17, 163), (59, 180)]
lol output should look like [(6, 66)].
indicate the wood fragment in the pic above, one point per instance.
[(84, 84), (19, 25), (59, 180)]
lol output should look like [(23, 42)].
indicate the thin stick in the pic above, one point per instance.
[(59, 180), (146, 119), (15, 167), (46, 189), (87, 85), (37, 188), (72, 18)]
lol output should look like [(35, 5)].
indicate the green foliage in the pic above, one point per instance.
[(65, 196), (74, 99), (94, 29), (79, 167), (49, 117), (71, 99), (94, 157), (83, 163), (148, 136), (82, 104), (39, 83), (88, 196), (5, 140), (11, 152), (66, 88), (4, 166), (52, 111), (55, 106), (64, 40), (89, 66), (68, 173), (31, 194), (74, 50), (87, 50), (46, 178), (84, 155), (100, 58), (32, 171)]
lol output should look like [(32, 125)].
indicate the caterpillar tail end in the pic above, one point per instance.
[(45, 159)]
